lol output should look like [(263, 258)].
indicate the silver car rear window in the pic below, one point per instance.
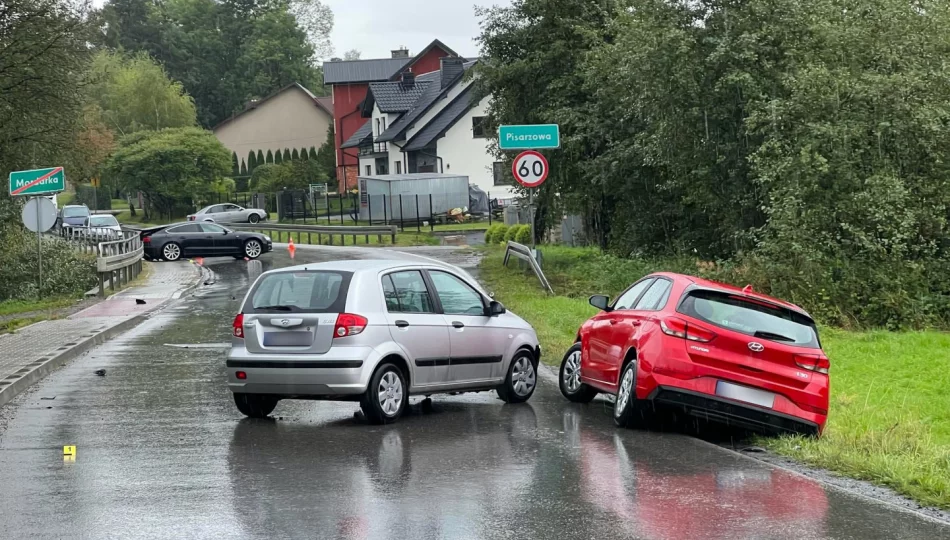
[(319, 291)]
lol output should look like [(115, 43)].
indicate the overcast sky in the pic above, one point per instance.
[(375, 27)]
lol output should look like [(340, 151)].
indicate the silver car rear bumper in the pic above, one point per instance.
[(341, 371)]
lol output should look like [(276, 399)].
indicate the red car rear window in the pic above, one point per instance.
[(751, 317)]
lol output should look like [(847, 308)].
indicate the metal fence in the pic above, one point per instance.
[(281, 232)]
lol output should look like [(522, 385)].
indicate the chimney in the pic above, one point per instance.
[(450, 69), (408, 79), (401, 52)]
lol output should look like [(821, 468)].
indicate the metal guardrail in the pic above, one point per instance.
[(118, 260), (278, 230), (524, 253)]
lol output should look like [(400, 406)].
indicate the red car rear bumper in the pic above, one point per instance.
[(698, 398)]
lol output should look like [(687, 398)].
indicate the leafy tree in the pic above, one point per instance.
[(227, 52), (270, 157), (326, 157), (303, 153), (278, 158), (92, 147), (43, 54), (260, 158), (312, 154), (243, 168), (235, 167), (546, 42), (352, 54), (287, 155), (295, 155), (251, 161), (171, 166), (134, 93)]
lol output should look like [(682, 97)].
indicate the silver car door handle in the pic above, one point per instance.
[(402, 324), (457, 324)]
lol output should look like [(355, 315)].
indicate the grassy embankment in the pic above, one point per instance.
[(889, 421)]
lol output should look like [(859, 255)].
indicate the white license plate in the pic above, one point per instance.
[(746, 394)]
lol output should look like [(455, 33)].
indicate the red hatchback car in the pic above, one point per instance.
[(712, 350)]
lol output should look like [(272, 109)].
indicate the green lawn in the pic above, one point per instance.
[(889, 421), (13, 307)]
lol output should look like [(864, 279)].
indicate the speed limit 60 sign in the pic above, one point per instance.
[(530, 169)]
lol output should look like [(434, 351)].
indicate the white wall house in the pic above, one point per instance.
[(430, 123)]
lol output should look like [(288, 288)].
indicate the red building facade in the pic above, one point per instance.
[(350, 81)]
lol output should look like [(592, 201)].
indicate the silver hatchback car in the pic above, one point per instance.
[(376, 332)]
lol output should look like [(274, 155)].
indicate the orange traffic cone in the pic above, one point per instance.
[(292, 248), (200, 261)]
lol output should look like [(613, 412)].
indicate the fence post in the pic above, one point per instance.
[(369, 202), (418, 217), (385, 216), (340, 195), (327, 196), (489, 208), (431, 219), (392, 234), (402, 225)]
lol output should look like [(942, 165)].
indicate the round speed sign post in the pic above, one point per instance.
[(530, 169)]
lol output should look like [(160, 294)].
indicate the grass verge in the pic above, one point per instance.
[(890, 404), (13, 307)]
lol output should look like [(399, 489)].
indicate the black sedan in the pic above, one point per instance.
[(178, 240)]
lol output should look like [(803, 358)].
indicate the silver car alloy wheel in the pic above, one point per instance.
[(390, 393), (252, 248), (626, 389), (572, 372), (523, 377), (171, 252)]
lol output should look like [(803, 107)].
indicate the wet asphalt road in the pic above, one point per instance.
[(162, 453)]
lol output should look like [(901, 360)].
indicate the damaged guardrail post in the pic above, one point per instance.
[(525, 253)]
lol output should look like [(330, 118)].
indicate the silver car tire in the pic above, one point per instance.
[(522, 378), (171, 252), (253, 249), (569, 377), (253, 218), (386, 396), (628, 410)]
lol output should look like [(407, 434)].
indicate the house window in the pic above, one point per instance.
[(478, 127), (501, 175), (398, 167), (382, 165), (369, 170)]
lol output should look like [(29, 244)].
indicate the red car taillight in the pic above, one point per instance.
[(813, 362), (676, 327), (237, 327), (147, 240), (191, 218), (348, 324)]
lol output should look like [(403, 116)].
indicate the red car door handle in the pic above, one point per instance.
[(635, 323), (613, 321)]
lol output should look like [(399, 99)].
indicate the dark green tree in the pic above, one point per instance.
[(270, 157), (260, 158), (235, 167), (287, 155), (243, 168), (303, 154), (251, 161), (278, 157), (312, 154), (295, 155)]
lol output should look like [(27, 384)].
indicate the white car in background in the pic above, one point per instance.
[(228, 213), (103, 226)]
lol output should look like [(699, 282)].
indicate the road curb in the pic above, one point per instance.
[(39, 372)]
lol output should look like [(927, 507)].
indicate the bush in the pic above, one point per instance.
[(65, 271), (511, 233), (500, 234), (523, 236), (491, 234)]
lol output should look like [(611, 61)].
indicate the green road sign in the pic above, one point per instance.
[(533, 137), (37, 181)]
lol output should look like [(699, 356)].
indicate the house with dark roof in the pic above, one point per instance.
[(350, 81), (429, 123), (290, 121)]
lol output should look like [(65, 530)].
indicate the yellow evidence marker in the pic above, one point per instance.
[(69, 451)]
